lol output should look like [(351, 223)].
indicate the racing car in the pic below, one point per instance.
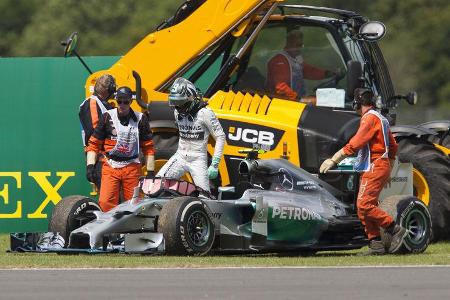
[(276, 207)]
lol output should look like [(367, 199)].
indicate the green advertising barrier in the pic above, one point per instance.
[(41, 152)]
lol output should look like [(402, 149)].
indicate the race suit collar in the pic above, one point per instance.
[(197, 107)]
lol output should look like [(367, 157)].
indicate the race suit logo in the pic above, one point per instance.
[(191, 131), (248, 135), (192, 135), (294, 213)]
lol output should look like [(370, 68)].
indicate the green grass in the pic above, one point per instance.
[(436, 254)]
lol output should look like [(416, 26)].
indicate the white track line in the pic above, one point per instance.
[(228, 268)]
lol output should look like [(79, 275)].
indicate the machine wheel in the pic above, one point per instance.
[(71, 213), (442, 138), (446, 141), (187, 226), (411, 213), (431, 181)]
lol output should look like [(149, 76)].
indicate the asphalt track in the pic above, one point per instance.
[(228, 283)]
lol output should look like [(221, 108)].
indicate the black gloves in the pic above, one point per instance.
[(90, 173), (150, 175)]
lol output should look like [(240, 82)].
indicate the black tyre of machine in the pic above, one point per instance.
[(446, 140), (442, 138), (187, 226), (411, 213), (71, 213), (435, 167)]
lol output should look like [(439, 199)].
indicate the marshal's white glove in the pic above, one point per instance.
[(327, 165), (332, 162)]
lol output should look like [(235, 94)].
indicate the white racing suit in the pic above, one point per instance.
[(191, 155)]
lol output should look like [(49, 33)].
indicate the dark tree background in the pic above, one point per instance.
[(416, 47)]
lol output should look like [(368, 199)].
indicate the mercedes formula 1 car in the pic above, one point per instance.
[(276, 207)]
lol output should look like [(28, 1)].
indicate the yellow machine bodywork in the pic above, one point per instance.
[(271, 113), (163, 54)]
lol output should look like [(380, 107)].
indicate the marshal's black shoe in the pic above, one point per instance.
[(376, 247)]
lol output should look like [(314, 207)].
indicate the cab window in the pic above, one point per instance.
[(291, 62)]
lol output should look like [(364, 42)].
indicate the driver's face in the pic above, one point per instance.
[(183, 108)]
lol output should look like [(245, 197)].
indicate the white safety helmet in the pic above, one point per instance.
[(183, 94)]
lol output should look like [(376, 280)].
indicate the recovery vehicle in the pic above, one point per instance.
[(224, 46)]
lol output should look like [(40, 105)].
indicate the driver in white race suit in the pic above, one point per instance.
[(195, 123)]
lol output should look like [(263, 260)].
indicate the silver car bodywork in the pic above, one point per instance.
[(294, 209)]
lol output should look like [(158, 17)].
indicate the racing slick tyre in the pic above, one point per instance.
[(431, 181), (187, 226), (71, 213), (411, 213)]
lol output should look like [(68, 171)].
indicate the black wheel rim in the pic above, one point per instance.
[(198, 227), (416, 225)]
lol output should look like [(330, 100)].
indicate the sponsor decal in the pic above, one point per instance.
[(307, 185), (399, 179), (248, 135), (190, 129), (286, 179), (42, 180), (251, 136), (216, 215), (294, 213), (262, 147), (261, 216), (193, 127), (191, 135), (408, 209), (183, 240), (80, 208)]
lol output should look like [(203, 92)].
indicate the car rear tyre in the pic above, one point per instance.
[(187, 227), (71, 213), (411, 213), (435, 168)]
